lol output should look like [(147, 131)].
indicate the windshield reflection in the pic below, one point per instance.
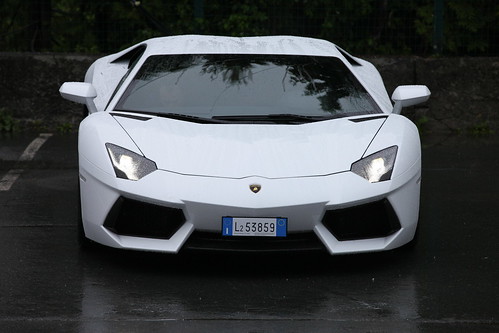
[(233, 85)]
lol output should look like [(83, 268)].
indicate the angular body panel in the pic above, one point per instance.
[(332, 161), (239, 151)]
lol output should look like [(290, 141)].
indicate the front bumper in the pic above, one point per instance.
[(197, 204)]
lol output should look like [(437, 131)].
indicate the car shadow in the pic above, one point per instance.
[(256, 264)]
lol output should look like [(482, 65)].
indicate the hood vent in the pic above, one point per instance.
[(360, 120), (348, 57), (141, 118)]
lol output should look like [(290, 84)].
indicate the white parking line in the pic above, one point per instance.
[(33, 147), (9, 179), (29, 153)]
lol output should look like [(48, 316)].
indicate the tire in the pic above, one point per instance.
[(84, 112)]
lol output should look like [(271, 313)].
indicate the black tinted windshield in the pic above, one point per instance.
[(228, 85)]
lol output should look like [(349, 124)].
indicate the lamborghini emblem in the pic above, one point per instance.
[(255, 188)]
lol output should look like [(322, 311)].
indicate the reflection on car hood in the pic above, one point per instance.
[(245, 150)]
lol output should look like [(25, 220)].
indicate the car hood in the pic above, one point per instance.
[(246, 150)]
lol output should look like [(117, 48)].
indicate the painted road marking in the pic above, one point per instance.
[(9, 179), (29, 153)]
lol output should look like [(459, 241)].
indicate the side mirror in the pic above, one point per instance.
[(405, 96), (80, 92)]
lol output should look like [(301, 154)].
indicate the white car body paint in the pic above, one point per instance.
[(205, 170)]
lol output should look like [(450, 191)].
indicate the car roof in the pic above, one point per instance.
[(111, 68), (201, 44)]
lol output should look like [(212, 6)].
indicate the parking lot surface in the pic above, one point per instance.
[(448, 282)]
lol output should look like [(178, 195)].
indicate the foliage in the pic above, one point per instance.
[(476, 27), (7, 122), (421, 123), (471, 27), (480, 129), (65, 128)]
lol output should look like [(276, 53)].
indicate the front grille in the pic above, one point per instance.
[(306, 241), (135, 218), (372, 220)]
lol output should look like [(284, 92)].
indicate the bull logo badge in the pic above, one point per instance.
[(255, 188)]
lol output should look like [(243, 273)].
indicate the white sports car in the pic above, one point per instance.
[(256, 143)]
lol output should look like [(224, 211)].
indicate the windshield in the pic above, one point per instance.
[(240, 86)]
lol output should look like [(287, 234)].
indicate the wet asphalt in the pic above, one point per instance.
[(447, 283)]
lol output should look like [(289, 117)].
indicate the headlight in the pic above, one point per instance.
[(129, 165), (376, 167)]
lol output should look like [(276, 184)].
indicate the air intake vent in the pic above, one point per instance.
[(131, 116), (307, 241), (360, 120), (135, 218), (372, 220), (348, 57)]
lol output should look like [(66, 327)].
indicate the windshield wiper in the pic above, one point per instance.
[(283, 118), (180, 116), (192, 119)]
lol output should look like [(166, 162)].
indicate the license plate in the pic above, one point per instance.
[(254, 226)]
